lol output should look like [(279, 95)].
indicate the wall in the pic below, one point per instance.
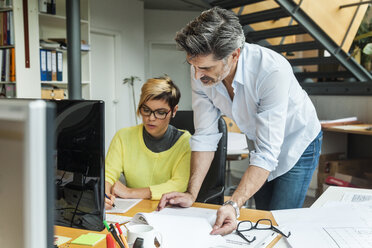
[(160, 29), (125, 17)]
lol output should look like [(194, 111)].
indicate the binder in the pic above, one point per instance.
[(54, 65), (43, 66), (1, 64), (59, 65), (12, 65), (49, 65), (5, 24), (43, 6), (7, 64)]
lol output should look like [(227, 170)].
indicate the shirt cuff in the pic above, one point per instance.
[(203, 143), (110, 180), (261, 161)]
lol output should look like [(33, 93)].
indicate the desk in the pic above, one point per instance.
[(364, 129), (150, 206)]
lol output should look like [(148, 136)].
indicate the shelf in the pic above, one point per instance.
[(61, 83), (58, 20), (6, 9), (7, 82), (6, 46)]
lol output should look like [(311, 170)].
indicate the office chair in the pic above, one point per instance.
[(213, 187)]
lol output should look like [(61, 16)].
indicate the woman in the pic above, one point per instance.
[(154, 156)]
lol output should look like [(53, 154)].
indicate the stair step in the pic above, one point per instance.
[(254, 36), (322, 74), (266, 15), (301, 46), (228, 4), (313, 61)]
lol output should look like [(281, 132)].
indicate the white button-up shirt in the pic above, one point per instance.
[(269, 106)]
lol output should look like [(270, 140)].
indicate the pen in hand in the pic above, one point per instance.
[(113, 204)]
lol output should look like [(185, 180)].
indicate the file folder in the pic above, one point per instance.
[(54, 66), (59, 66), (43, 66), (49, 65)]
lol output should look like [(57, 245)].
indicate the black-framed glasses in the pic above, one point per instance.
[(160, 114), (261, 224)]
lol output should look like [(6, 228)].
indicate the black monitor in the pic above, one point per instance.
[(80, 170)]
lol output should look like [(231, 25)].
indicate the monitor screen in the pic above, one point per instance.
[(80, 151), (26, 174)]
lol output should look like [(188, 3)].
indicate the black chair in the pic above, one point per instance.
[(212, 189)]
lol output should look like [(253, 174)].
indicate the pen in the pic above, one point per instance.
[(110, 199), (122, 236), (115, 235)]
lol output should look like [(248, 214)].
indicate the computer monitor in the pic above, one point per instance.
[(80, 169), (26, 173)]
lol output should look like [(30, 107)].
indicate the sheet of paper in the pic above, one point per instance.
[(114, 218), (60, 240), (350, 237), (205, 213), (308, 225), (236, 141), (123, 205), (339, 120), (350, 127), (356, 197)]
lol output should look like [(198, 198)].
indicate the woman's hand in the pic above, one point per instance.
[(109, 202)]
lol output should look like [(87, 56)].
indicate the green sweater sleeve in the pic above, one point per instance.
[(114, 160)]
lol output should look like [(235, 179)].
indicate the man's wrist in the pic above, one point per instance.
[(234, 205)]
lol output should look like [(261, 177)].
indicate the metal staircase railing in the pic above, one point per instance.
[(338, 66)]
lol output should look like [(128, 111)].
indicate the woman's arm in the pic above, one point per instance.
[(123, 191)]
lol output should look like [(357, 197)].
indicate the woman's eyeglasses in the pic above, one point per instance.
[(262, 224), (160, 114)]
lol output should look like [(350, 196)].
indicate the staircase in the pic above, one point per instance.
[(314, 35)]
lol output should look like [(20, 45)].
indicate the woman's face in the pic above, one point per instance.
[(156, 115)]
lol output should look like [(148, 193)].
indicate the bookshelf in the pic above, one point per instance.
[(54, 26)]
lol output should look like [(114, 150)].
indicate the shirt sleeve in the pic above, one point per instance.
[(206, 117), (273, 92), (179, 180), (114, 160)]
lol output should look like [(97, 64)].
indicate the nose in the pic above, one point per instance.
[(198, 74), (152, 116)]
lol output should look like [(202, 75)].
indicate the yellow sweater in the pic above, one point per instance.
[(163, 172)]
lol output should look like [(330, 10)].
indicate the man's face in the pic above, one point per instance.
[(209, 70)]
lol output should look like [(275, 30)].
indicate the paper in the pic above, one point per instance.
[(114, 218), (339, 120), (308, 225), (236, 141), (88, 239), (350, 127), (350, 237), (356, 197), (60, 240), (123, 205)]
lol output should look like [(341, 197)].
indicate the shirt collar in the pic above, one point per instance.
[(239, 69)]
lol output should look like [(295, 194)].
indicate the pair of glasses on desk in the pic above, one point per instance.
[(261, 224)]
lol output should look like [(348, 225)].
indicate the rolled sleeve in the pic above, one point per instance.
[(202, 143), (271, 119)]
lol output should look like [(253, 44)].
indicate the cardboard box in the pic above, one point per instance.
[(330, 164), (52, 94)]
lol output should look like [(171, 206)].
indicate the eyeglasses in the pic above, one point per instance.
[(261, 224), (160, 114)]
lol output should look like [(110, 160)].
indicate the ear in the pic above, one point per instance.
[(236, 54), (174, 111)]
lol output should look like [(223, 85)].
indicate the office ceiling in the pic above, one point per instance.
[(188, 5)]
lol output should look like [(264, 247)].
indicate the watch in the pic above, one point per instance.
[(234, 205)]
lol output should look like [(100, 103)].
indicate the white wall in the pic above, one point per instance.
[(160, 48), (125, 17)]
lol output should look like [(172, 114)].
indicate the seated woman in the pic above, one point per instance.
[(153, 156)]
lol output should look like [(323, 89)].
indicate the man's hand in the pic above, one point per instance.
[(120, 190), (184, 200), (226, 221), (109, 202)]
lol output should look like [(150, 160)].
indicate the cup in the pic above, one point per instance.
[(146, 232)]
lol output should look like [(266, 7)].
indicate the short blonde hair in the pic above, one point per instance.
[(160, 88)]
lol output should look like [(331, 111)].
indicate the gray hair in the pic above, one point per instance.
[(216, 31)]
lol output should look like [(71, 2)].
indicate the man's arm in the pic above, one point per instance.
[(200, 163), (252, 180)]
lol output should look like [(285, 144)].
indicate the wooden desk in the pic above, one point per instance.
[(149, 206), (364, 129)]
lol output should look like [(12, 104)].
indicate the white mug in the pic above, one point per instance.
[(146, 232)]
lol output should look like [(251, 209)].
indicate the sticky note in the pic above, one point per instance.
[(88, 239)]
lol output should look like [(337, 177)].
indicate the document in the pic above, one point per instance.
[(123, 205), (356, 197), (114, 218), (178, 225), (236, 141), (321, 227)]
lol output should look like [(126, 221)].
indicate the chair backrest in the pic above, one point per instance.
[(231, 125), (212, 189)]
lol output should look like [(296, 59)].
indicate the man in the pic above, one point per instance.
[(257, 89)]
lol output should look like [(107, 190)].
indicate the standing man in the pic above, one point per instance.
[(255, 87)]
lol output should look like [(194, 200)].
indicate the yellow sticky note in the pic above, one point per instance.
[(88, 239)]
